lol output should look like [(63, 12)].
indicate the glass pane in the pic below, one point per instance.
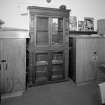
[(42, 23), (57, 72), (60, 24), (57, 69), (60, 37), (42, 59), (42, 38), (32, 23), (41, 73), (41, 67), (57, 58), (42, 31), (57, 30)]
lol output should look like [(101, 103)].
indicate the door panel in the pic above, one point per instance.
[(3, 69), (86, 64), (14, 54), (8, 55), (101, 59), (2, 73), (12, 72), (101, 50)]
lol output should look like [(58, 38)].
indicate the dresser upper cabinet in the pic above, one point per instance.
[(48, 26)]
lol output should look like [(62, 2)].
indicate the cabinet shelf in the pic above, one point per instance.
[(57, 62), (57, 70), (57, 44), (41, 79), (56, 77), (60, 30), (44, 71), (41, 63), (42, 30)]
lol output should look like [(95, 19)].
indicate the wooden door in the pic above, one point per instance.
[(15, 56), (8, 53), (85, 59), (101, 50), (13, 65), (1, 68), (4, 80), (101, 59), (57, 65)]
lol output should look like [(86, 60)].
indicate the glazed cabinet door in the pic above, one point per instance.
[(57, 31), (49, 66), (57, 65), (49, 31), (41, 71)]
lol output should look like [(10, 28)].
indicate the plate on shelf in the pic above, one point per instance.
[(39, 63)]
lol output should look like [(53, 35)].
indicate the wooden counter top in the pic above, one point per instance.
[(85, 34)]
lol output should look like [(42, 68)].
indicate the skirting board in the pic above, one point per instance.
[(14, 94), (86, 82)]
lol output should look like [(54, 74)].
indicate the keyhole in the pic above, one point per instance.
[(94, 52)]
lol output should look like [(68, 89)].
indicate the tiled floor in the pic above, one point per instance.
[(64, 93)]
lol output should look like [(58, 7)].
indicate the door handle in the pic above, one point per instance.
[(6, 66), (3, 60)]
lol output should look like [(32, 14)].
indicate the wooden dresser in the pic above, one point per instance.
[(48, 45)]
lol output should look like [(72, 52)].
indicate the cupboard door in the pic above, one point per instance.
[(101, 50), (41, 69), (101, 59), (14, 54), (2, 88), (8, 75), (57, 67), (3, 79), (6, 82), (85, 59)]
